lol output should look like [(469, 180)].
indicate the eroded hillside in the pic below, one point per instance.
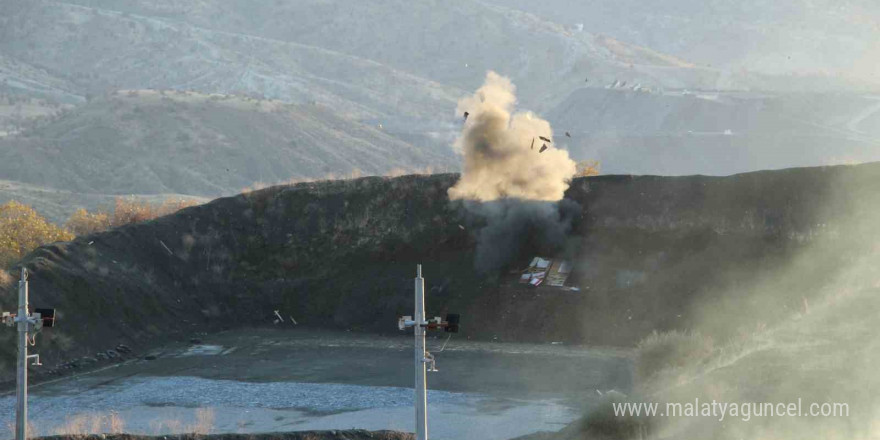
[(342, 253)]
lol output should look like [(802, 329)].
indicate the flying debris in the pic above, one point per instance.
[(543, 147), (567, 134), (499, 156), (545, 139), (166, 247), (466, 115)]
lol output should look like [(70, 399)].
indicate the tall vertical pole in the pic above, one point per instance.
[(21, 383), (421, 399)]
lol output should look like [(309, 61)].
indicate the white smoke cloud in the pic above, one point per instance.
[(502, 157), (508, 186)]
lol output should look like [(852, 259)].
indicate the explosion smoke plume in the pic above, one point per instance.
[(501, 150), (507, 180)]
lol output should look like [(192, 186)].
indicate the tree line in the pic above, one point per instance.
[(22, 229)]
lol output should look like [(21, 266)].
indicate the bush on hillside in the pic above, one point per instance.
[(83, 222), (23, 230), (587, 168), (6, 280), (125, 212), (131, 211), (170, 206)]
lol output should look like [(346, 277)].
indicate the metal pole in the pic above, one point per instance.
[(421, 399), (21, 383)]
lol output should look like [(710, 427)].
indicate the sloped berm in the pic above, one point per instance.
[(342, 254)]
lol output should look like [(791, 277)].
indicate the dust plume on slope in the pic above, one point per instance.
[(501, 149), (803, 333)]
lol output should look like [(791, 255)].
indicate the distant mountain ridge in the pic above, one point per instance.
[(341, 53), (716, 133), (150, 142), (793, 40), (392, 72), (18, 78)]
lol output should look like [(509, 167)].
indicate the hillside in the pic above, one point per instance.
[(148, 142), (56, 205), (716, 133), (341, 56), (647, 252), (21, 112), (403, 65), (806, 45), (136, 52), (818, 346), (18, 78), (454, 42)]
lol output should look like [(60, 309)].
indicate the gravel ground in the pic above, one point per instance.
[(171, 405), (192, 392), (281, 381), (353, 434)]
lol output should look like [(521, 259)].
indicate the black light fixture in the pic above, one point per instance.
[(452, 320), (47, 316)]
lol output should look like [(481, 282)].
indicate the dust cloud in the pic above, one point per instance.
[(513, 179), (802, 334), (502, 150)]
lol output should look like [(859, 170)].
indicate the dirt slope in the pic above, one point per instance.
[(647, 249)]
